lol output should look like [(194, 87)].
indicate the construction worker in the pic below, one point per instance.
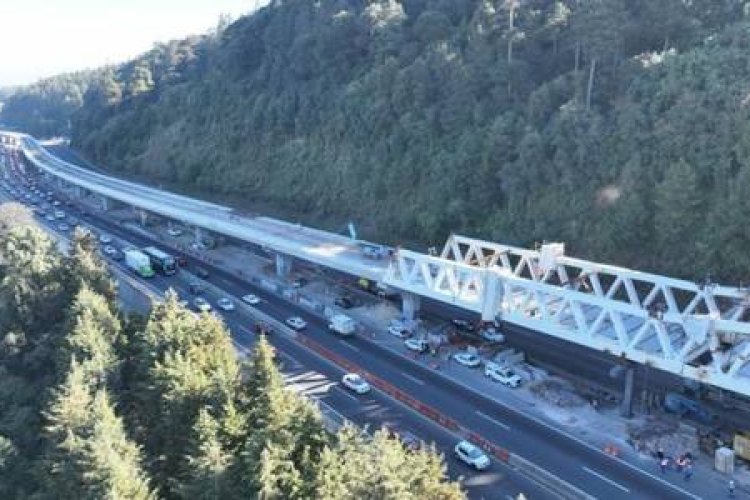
[(688, 472), (731, 488)]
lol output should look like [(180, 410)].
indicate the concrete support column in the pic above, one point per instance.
[(283, 265), (493, 296), (78, 191), (142, 216), (60, 183), (105, 203), (626, 407), (198, 233), (409, 306)]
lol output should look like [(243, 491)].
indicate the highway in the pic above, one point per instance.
[(318, 379), (588, 469), (512, 430)]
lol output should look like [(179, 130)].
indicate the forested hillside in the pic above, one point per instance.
[(45, 108), (618, 126), (95, 404)]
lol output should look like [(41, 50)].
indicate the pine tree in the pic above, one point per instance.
[(208, 463), (94, 332), (112, 463), (183, 364), (88, 453), (67, 417), (86, 266), (285, 434)]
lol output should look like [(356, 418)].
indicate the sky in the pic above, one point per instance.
[(40, 38)]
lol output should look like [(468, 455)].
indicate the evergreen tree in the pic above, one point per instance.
[(183, 364), (92, 339), (86, 266), (208, 463), (112, 463)]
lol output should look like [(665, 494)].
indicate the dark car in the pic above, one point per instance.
[(344, 302), (201, 273), (195, 288), (463, 324)]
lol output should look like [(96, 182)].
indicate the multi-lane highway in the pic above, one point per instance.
[(587, 468), (318, 378)]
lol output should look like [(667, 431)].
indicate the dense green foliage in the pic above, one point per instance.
[(617, 126), (45, 108), (94, 404)]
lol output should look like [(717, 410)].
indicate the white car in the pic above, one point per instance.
[(296, 322), (471, 455), (173, 231), (201, 304), (356, 383), (109, 250), (492, 335), (251, 299), (225, 304), (105, 239), (399, 331), (501, 374), (59, 214), (417, 345), (467, 359)]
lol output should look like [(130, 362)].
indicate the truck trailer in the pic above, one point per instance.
[(138, 262)]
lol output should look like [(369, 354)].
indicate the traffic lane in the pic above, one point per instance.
[(529, 438), (282, 310), (375, 409), (423, 382), (556, 459)]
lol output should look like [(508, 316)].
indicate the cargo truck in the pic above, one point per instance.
[(138, 262), (342, 324)]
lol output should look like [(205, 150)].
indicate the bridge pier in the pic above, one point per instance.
[(105, 203), (626, 407), (198, 234), (283, 265), (60, 183), (410, 303), (78, 191), (142, 216)]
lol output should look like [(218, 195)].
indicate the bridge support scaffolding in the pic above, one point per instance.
[(283, 265)]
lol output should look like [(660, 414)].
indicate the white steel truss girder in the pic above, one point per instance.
[(644, 317)]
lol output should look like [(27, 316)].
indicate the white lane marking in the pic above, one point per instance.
[(496, 422), (590, 446), (354, 348), (413, 378), (346, 393), (606, 479)]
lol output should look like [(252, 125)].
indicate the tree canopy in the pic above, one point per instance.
[(96, 404)]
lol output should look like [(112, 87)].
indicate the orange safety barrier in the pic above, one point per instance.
[(611, 450)]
